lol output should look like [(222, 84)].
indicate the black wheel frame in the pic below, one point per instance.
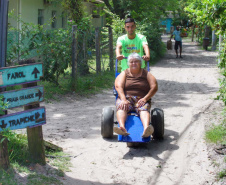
[(107, 122), (157, 121)]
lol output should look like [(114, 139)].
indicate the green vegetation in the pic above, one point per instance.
[(222, 174), (21, 163), (212, 14), (217, 134), (53, 48), (7, 177), (39, 179), (147, 15), (86, 85), (3, 106)]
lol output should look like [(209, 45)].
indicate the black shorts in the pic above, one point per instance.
[(177, 43)]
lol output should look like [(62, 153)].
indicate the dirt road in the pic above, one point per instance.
[(187, 88)]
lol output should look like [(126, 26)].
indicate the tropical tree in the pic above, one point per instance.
[(147, 14), (75, 11), (213, 14), (140, 9)]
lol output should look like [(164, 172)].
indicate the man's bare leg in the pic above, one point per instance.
[(176, 53), (180, 51)]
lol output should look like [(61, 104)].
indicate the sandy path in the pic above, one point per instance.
[(186, 90)]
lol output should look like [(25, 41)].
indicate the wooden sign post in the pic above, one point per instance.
[(29, 96), (24, 96), (19, 120), (4, 157), (20, 74), (3, 30)]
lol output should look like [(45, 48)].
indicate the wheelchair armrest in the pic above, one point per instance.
[(115, 92)]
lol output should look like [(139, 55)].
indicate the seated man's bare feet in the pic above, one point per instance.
[(121, 131), (148, 131)]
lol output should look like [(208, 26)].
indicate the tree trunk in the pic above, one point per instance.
[(220, 47), (214, 41), (4, 155), (207, 31), (192, 36), (98, 63), (111, 52), (74, 52)]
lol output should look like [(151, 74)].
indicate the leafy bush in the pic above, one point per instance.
[(217, 134), (151, 30), (153, 33), (222, 66), (3, 105), (51, 47)]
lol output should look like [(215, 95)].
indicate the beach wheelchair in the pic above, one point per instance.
[(133, 123)]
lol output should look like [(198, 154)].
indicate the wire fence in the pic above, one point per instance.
[(92, 50)]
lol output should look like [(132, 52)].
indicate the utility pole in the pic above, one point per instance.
[(3, 31), (4, 156)]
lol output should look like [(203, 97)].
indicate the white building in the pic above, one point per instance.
[(43, 11)]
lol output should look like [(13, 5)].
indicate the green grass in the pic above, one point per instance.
[(39, 179), (217, 134), (59, 160), (85, 85), (222, 174), (7, 177), (20, 162)]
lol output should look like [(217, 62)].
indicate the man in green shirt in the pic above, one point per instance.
[(131, 43)]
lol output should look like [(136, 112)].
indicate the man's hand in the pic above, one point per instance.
[(120, 57), (146, 58)]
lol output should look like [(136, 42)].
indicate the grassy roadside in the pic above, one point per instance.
[(217, 134), (23, 171), (86, 85)]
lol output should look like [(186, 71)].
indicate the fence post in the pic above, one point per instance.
[(85, 48), (111, 52), (34, 134), (220, 47), (192, 34), (4, 156), (98, 63), (74, 53), (214, 41)]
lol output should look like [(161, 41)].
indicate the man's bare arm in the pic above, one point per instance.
[(118, 52), (146, 57)]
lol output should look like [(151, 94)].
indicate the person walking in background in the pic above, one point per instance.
[(130, 43), (178, 41)]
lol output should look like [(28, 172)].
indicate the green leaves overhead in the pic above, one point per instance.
[(210, 12), (142, 9)]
